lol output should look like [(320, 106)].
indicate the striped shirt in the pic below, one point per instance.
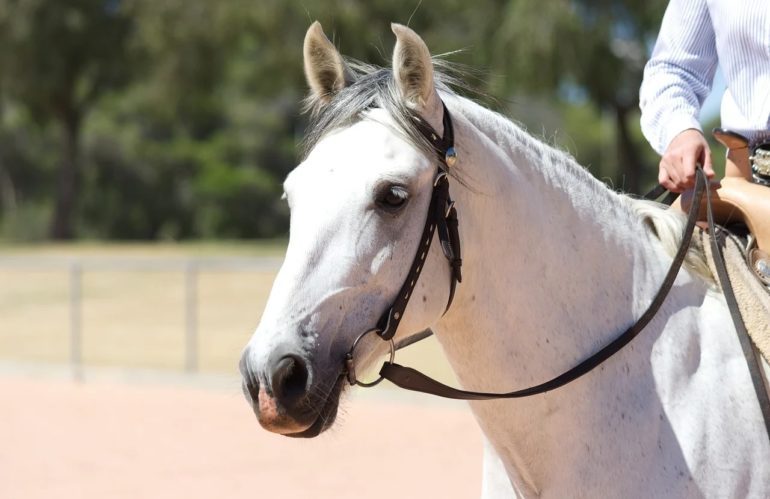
[(695, 36)]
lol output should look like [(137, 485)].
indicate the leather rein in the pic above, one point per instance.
[(442, 215)]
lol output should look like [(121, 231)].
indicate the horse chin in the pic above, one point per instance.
[(327, 414)]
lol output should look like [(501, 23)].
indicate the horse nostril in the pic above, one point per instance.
[(289, 380)]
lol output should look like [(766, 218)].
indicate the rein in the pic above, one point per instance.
[(442, 214), (411, 379)]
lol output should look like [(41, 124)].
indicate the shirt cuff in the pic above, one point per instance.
[(676, 125)]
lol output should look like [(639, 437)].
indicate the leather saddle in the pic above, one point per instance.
[(743, 196)]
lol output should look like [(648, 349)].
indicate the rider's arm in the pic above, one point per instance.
[(678, 77)]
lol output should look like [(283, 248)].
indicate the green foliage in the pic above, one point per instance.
[(57, 57), (27, 223), (186, 112), (56, 60), (583, 50)]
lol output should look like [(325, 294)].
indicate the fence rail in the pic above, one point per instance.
[(190, 267)]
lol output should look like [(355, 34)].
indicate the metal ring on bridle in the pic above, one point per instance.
[(349, 361)]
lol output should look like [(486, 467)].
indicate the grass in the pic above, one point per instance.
[(136, 318)]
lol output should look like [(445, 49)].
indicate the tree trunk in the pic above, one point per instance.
[(631, 164), (7, 189), (62, 226), (7, 192)]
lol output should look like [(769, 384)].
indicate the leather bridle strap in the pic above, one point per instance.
[(388, 323), (657, 192), (441, 218), (411, 379)]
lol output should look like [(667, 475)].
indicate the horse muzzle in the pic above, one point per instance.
[(288, 402)]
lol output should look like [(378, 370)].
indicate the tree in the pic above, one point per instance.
[(57, 59), (179, 118), (567, 52), (582, 49)]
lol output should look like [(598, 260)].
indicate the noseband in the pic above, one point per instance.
[(442, 218)]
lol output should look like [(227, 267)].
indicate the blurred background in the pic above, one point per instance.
[(143, 144), (178, 119)]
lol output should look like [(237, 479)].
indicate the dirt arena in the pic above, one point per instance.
[(141, 428), (117, 439)]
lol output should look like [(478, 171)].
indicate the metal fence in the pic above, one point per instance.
[(191, 268)]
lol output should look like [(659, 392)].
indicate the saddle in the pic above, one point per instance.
[(752, 297), (743, 196)]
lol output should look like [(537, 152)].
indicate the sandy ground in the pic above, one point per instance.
[(177, 435), (108, 439)]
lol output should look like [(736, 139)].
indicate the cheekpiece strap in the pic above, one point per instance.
[(442, 216)]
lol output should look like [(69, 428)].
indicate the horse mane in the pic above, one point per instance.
[(375, 87), (667, 225)]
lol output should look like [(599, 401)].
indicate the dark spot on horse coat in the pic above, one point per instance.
[(424, 298)]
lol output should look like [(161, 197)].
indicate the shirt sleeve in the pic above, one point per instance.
[(678, 76)]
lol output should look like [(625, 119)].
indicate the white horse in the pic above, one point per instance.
[(556, 265)]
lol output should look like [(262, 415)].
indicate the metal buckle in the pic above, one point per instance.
[(350, 364)]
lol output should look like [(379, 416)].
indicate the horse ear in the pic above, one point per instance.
[(413, 67), (325, 71)]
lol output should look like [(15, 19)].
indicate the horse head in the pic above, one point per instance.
[(358, 203)]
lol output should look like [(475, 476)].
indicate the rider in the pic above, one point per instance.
[(696, 36)]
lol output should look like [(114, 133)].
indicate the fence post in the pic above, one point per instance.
[(75, 305), (191, 316)]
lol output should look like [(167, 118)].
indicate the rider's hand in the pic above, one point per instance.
[(677, 166)]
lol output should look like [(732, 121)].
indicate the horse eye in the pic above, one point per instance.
[(393, 198)]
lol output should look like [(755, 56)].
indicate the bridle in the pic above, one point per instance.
[(442, 216)]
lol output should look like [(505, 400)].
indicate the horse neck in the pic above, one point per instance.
[(556, 264)]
